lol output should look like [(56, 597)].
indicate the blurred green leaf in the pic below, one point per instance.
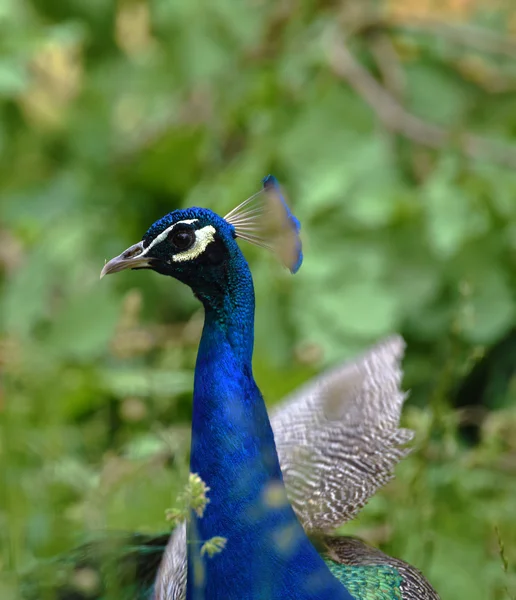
[(85, 326), (13, 79), (454, 216), (145, 382), (491, 309), (437, 94)]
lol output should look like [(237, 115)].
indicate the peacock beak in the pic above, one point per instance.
[(129, 259)]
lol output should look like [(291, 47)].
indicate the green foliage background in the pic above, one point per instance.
[(112, 114)]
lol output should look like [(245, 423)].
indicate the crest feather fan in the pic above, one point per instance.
[(265, 220)]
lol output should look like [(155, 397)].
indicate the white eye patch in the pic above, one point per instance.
[(203, 237), (159, 238)]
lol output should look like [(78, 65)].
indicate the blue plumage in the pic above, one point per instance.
[(234, 453), (268, 554)]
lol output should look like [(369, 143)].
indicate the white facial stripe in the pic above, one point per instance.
[(203, 237), (159, 238)]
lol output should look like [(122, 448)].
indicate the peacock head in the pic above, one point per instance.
[(197, 246)]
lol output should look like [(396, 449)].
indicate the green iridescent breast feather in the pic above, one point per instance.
[(372, 582)]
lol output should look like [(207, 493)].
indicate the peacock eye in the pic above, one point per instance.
[(182, 239)]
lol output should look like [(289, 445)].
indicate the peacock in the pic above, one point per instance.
[(268, 554), (337, 439)]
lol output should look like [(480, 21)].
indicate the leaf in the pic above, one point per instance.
[(327, 170), (436, 95), (489, 310), (27, 297), (13, 79), (359, 311), (85, 326), (373, 203), (142, 382), (453, 214)]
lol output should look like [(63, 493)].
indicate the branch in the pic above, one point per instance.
[(396, 118), (478, 38), (467, 35), (387, 60)]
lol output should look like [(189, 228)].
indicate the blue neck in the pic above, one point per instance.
[(267, 555)]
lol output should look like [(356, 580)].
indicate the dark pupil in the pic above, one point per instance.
[(183, 239)]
